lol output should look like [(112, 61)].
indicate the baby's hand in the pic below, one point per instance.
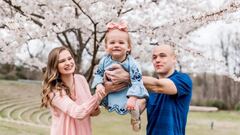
[(131, 102)]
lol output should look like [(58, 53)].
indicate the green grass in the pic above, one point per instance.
[(111, 123), (199, 123), (9, 128), (223, 123)]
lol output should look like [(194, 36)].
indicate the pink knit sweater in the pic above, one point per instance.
[(73, 117)]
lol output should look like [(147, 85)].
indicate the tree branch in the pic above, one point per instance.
[(88, 51), (130, 9), (61, 40), (68, 42), (19, 10), (83, 11), (3, 26), (101, 39), (95, 50), (67, 30), (119, 12), (28, 50), (209, 17), (39, 16), (41, 51)]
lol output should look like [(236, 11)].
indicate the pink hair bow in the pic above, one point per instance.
[(121, 26)]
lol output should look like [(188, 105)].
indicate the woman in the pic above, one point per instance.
[(68, 95)]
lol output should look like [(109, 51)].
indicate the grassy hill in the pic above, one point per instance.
[(20, 114)]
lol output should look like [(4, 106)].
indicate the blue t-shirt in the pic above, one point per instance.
[(167, 114)]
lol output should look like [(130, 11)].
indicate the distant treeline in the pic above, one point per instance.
[(13, 72), (214, 90)]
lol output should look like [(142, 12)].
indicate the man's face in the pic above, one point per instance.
[(163, 59)]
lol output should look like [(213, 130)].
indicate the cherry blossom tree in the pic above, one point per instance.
[(80, 26)]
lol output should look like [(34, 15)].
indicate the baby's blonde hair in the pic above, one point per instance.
[(122, 26)]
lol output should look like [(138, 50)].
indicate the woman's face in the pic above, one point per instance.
[(66, 64)]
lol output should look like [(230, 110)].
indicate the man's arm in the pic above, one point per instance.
[(164, 85)]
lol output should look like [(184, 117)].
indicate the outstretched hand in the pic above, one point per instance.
[(100, 91)]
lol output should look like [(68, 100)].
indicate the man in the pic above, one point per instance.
[(169, 94)]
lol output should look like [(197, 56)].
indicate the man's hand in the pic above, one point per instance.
[(110, 87), (116, 74)]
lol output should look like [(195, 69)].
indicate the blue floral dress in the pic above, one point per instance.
[(117, 101)]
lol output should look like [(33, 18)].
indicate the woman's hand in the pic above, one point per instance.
[(100, 91)]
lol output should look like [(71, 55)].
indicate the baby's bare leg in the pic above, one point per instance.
[(141, 104), (135, 114)]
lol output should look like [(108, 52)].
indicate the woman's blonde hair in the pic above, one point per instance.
[(51, 77)]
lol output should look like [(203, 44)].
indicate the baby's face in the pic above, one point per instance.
[(117, 44)]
